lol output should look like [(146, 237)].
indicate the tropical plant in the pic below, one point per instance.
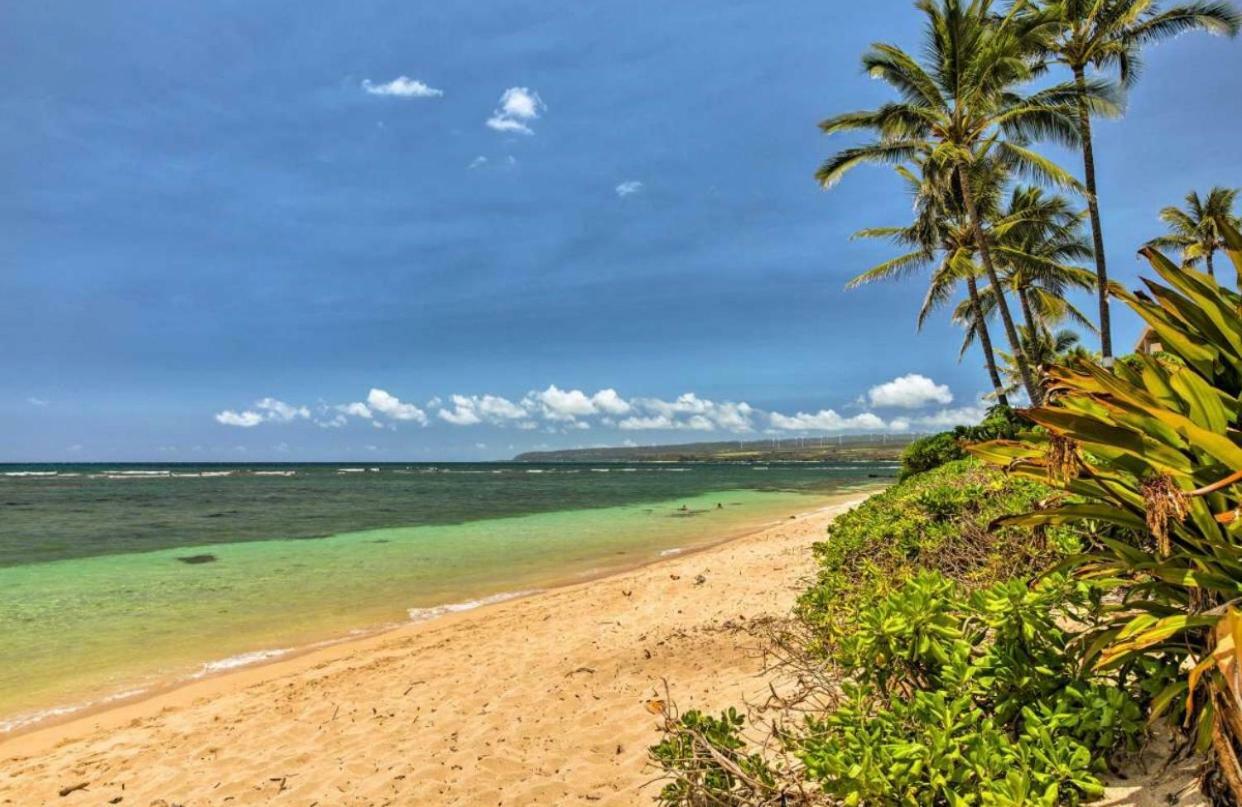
[(1152, 456), (955, 700), (1045, 347), (941, 237), (1195, 231), (1033, 237), (1039, 235), (935, 450), (959, 107), (1108, 34)]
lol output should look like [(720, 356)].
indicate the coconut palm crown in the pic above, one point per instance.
[(1196, 230), (959, 105), (1108, 35)]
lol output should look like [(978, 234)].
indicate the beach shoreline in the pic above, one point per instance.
[(713, 578), (147, 679)]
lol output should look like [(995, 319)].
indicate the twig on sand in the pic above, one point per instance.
[(65, 791)]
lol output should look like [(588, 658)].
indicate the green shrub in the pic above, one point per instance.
[(951, 695), (939, 521), (928, 453), (961, 685)]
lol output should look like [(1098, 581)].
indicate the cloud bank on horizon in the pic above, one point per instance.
[(556, 410)]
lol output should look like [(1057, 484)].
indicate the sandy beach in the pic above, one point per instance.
[(541, 700)]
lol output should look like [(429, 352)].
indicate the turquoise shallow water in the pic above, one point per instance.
[(153, 588)]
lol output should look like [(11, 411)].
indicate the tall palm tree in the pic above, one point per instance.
[(1196, 230), (959, 106), (1107, 34), (940, 237)]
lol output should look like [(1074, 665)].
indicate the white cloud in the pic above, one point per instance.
[(384, 403), (279, 411), (700, 413), (948, 418), (644, 423), (628, 188), (402, 87), (909, 392), (461, 415), (358, 409), (519, 106), (559, 404), (826, 420), (245, 419), (40, 402), (494, 407), (472, 409), (478, 162), (609, 402), (558, 410), (266, 410)]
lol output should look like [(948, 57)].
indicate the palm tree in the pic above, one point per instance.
[(1196, 230), (1108, 34), (1036, 237), (940, 237), (1032, 237), (959, 107), (1047, 347)]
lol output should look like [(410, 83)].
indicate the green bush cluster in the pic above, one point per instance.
[(938, 521), (968, 698), (928, 453), (961, 684)]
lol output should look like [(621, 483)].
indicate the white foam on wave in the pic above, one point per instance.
[(32, 718), (424, 614), (30, 473), (674, 551), (241, 660)]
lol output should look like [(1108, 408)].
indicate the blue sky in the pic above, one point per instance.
[(223, 211)]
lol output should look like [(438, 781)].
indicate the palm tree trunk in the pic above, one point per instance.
[(1211, 268), (1002, 305), (1093, 208), (1027, 313), (985, 341)]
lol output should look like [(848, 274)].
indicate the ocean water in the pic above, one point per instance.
[(119, 579)]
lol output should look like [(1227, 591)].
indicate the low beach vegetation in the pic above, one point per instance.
[(1009, 628)]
